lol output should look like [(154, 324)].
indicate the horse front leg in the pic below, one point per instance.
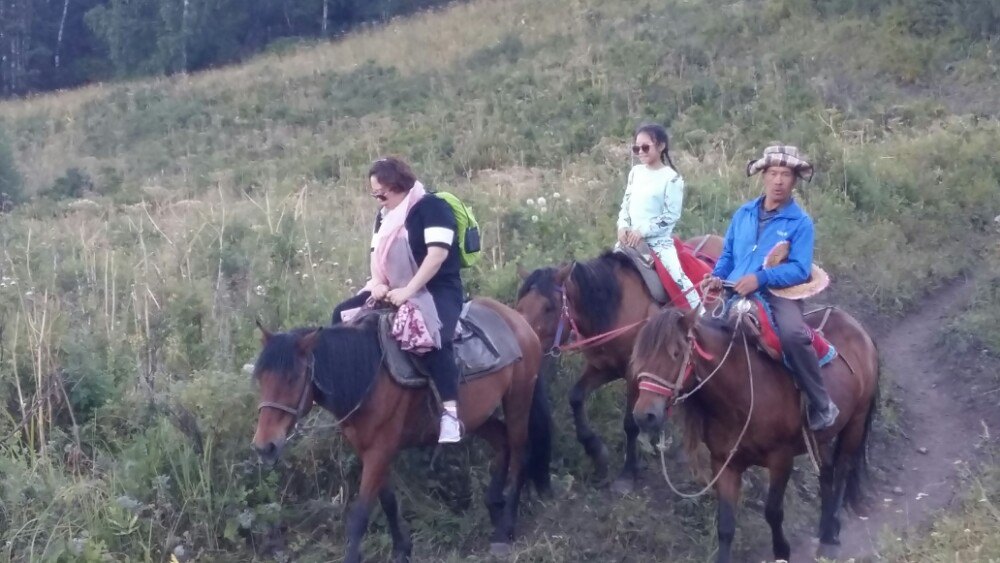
[(402, 545), (727, 491), (373, 476), (494, 431), (626, 481), (590, 380), (779, 470)]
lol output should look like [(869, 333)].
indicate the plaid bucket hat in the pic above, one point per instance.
[(782, 155)]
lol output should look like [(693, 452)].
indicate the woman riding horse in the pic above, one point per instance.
[(415, 259)]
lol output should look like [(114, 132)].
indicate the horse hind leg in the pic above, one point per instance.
[(833, 484)]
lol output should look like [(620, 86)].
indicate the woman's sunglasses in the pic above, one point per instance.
[(379, 196), (643, 148)]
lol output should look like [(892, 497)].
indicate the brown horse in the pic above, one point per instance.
[(745, 408), (341, 369), (605, 294)]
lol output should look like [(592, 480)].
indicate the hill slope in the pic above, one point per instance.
[(165, 215)]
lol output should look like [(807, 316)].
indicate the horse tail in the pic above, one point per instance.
[(540, 439), (857, 476)]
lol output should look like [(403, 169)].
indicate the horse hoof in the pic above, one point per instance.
[(623, 486), (827, 551), (500, 549)]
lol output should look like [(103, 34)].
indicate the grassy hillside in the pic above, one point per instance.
[(162, 216)]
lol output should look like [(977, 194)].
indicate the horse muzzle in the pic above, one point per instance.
[(269, 452)]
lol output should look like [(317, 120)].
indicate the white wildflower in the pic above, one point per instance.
[(304, 276), (348, 281), (315, 264), (541, 202), (534, 218), (29, 293), (556, 195), (543, 209), (530, 202), (259, 290), (335, 264)]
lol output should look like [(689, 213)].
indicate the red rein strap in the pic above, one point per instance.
[(595, 340), (602, 338)]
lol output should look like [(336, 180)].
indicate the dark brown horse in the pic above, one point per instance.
[(745, 408), (603, 295), (341, 369)]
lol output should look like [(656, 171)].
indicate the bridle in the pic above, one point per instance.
[(657, 385), (566, 317), (298, 411)]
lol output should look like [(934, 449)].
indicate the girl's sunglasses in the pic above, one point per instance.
[(643, 148)]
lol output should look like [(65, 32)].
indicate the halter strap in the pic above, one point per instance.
[(296, 412)]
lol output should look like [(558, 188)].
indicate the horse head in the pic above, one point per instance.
[(283, 372), (661, 361), (539, 301)]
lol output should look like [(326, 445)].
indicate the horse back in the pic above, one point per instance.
[(854, 344)]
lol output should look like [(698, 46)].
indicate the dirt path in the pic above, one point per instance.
[(939, 432)]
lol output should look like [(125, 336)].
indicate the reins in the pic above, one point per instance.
[(655, 384)]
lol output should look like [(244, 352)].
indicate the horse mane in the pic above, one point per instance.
[(599, 288), (661, 329), (542, 280), (346, 359)]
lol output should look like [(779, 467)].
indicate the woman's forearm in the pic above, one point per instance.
[(430, 266)]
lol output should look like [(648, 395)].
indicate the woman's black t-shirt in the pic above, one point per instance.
[(431, 222)]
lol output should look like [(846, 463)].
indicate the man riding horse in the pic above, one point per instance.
[(756, 228)]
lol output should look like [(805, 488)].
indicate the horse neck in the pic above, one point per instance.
[(726, 394), (635, 304)]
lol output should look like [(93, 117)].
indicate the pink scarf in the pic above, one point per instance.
[(393, 226)]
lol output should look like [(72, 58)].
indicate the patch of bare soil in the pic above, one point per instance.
[(944, 418)]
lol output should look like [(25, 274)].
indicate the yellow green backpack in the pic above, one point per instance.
[(469, 244)]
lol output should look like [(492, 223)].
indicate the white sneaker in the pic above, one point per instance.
[(451, 429)]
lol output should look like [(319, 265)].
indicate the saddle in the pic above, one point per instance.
[(764, 332), (661, 285), (484, 343)]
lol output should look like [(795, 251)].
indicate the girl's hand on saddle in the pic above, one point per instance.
[(633, 238), (379, 292), (746, 285), (399, 296), (623, 236)]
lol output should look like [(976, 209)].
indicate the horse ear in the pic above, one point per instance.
[(522, 272), (689, 320), (306, 344), (562, 274), (265, 335)]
